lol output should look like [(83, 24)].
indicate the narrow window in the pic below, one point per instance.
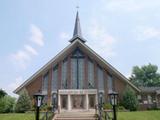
[(55, 78), (100, 79), (64, 74), (91, 83), (45, 83), (110, 83)]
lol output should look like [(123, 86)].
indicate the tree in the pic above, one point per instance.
[(2, 93), (146, 75), (6, 104), (23, 103), (130, 100)]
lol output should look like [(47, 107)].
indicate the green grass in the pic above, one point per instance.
[(17, 116), (145, 115)]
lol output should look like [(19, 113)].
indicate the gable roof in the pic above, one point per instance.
[(64, 52)]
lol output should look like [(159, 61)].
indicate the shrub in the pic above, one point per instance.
[(6, 104), (130, 101), (23, 103), (107, 106), (121, 108)]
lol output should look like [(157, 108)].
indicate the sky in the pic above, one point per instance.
[(124, 32)]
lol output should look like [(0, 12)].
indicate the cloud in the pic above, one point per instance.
[(36, 35), (123, 5), (13, 85), (23, 56), (20, 58), (101, 41), (31, 50), (129, 5), (147, 33), (64, 35)]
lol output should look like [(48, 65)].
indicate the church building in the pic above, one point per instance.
[(76, 75)]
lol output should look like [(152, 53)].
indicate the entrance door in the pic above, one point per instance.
[(78, 101), (92, 101), (64, 101)]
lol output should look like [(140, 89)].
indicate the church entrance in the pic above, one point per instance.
[(78, 101), (73, 100)]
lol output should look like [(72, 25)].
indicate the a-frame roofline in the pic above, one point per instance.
[(68, 49)]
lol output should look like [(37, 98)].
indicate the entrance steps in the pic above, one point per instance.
[(76, 116)]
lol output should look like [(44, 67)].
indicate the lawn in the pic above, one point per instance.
[(145, 115), (16, 116)]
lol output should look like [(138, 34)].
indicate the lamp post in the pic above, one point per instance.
[(54, 97), (38, 99), (100, 104), (114, 100)]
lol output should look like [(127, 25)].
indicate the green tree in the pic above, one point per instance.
[(130, 100), (2, 93), (6, 104), (23, 103), (146, 75)]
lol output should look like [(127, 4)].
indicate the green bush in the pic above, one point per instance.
[(6, 104), (23, 103), (121, 108), (130, 101), (107, 106)]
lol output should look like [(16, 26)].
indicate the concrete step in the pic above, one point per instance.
[(76, 116)]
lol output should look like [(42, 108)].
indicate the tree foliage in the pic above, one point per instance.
[(6, 104), (146, 75), (130, 101), (23, 103), (2, 93)]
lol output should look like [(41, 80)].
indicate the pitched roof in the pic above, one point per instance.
[(88, 50)]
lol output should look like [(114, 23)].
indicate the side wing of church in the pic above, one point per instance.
[(76, 75)]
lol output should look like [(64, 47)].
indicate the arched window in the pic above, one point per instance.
[(55, 78), (77, 69), (91, 83)]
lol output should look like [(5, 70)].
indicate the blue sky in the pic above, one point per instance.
[(125, 32)]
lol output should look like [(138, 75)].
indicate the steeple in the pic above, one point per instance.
[(77, 27), (77, 30)]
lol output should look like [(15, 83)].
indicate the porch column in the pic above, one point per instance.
[(69, 102), (87, 102)]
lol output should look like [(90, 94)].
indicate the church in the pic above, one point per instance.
[(76, 76)]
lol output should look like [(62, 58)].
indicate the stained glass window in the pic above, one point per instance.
[(77, 69), (91, 83), (45, 82), (55, 78), (100, 79), (110, 83), (64, 74)]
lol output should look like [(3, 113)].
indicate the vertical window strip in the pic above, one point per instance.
[(74, 73), (64, 75), (100, 79), (45, 82), (55, 78), (91, 83), (110, 83), (81, 73)]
